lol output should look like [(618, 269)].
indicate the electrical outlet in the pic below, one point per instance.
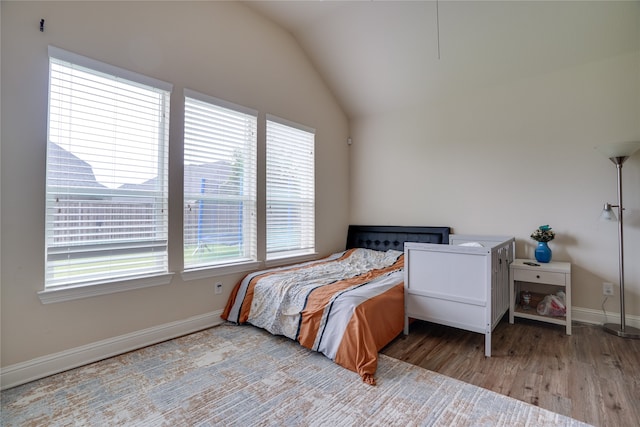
[(607, 289), (218, 288)]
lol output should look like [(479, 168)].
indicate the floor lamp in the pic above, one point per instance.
[(618, 153)]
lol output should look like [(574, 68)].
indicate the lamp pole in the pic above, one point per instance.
[(621, 330)]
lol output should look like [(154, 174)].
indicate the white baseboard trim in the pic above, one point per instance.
[(597, 317), (44, 366)]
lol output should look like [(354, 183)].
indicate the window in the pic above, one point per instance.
[(219, 182), (290, 189), (106, 185)]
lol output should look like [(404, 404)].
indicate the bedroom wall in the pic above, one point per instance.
[(219, 48), (508, 158)]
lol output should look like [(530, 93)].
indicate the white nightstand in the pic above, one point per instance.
[(541, 279)]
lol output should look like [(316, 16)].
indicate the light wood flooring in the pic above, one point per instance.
[(591, 376)]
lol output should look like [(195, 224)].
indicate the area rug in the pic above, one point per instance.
[(241, 376)]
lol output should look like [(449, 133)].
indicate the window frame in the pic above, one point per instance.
[(249, 260), (69, 290), (300, 253)]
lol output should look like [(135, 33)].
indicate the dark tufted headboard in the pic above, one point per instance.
[(383, 237)]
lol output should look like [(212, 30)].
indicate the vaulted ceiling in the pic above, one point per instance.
[(378, 56)]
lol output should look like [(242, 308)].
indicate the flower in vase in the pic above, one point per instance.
[(544, 233)]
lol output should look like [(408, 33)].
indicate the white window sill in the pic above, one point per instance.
[(73, 292), (206, 272), (276, 262)]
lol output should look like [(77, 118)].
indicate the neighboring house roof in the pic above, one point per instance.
[(67, 170), (214, 174)]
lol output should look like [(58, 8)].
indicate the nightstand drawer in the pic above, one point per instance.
[(540, 277)]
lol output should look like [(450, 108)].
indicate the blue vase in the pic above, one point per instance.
[(543, 252)]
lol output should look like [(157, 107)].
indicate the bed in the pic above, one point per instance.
[(347, 306), (464, 284)]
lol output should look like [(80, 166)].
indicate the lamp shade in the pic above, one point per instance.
[(619, 149), (607, 213)]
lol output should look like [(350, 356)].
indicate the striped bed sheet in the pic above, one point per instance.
[(347, 306)]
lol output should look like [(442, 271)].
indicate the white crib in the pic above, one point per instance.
[(464, 284)]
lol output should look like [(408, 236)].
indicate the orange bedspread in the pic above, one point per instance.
[(347, 306)]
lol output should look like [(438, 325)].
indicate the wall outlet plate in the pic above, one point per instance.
[(607, 289)]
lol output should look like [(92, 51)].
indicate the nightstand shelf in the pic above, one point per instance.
[(546, 278), (531, 312)]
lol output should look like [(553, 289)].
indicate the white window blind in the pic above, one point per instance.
[(106, 189), (220, 143), (290, 189)]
